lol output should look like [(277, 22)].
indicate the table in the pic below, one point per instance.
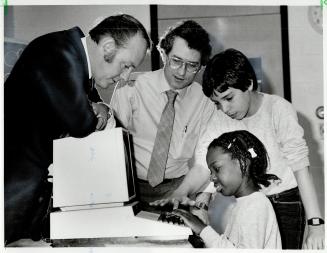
[(122, 242)]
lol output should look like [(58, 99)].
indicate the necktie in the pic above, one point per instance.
[(160, 150)]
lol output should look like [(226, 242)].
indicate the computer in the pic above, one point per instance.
[(94, 186)]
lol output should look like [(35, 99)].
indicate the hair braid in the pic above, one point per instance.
[(250, 152)]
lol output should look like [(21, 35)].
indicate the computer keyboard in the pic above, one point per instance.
[(120, 221), (170, 218), (161, 214)]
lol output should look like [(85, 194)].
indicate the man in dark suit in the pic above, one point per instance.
[(47, 96)]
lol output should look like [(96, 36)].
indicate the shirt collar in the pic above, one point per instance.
[(164, 86), (83, 39)]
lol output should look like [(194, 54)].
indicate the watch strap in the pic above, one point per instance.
[(315, 221)]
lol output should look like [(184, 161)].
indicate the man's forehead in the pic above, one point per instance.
[(180, 49)]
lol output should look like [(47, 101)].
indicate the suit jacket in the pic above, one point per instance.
[(46, 96)]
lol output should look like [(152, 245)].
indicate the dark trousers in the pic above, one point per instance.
[(290, 215), (26, 206)]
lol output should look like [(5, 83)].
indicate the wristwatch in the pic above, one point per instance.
[(315, 221)]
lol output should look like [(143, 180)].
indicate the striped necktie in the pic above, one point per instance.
[(160, 150)]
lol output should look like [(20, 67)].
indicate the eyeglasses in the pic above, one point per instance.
[(176, 63)]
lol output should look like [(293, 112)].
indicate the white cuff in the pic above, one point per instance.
[(209, 235), (210, 188)]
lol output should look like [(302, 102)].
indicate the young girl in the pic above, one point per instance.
[(238, 161), (230, 82)]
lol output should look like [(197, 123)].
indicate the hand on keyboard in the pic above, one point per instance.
[(190, 220), (170, 217)]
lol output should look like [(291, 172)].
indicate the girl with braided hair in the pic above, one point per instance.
[(238, 162), (230, 82)]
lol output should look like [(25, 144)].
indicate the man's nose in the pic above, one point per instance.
[(182, 69)]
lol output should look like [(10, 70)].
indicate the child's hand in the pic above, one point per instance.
[(190, 220)]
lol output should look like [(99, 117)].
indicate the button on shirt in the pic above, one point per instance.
[(139, 108)]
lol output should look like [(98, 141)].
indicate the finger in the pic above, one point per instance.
[(318, 244), (304, 246), (131, 83), (164, 202), (191, 203), (154, 203), (101, 123), (98, 124), (121, 83), (95, 108), (187, 202), (179, 211), (180, 215), (175, 203), (159, 202), (104, 124), (310, 245)]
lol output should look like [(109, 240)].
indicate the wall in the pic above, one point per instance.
[(24, 23), (254, 30), (306, 70), (27, 22)]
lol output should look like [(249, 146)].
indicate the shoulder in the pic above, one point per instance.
[(276, 101), (256, 203), (142, 78), (197, 88), (194, 94), (55, 36), (67, 40), (277, 106), (147, 75), (255, 211), (139, 82)]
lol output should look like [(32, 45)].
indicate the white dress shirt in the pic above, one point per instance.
[(139, 109)]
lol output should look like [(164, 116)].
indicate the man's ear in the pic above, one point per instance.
[(108, 49), (108, 45), (163, 55)]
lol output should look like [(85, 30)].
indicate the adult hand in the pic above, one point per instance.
[(174, 200), (201, 213), (101, 112), (190, 220), (131, 80), (315, 238)]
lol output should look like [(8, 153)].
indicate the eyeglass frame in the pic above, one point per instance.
[(183, 63)]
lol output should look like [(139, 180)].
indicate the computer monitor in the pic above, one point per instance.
[(94, 171)]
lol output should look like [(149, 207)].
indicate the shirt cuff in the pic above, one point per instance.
[(210, 188), (209, 236), (300, 165)]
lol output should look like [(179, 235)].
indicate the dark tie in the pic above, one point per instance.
[(160, 150)]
